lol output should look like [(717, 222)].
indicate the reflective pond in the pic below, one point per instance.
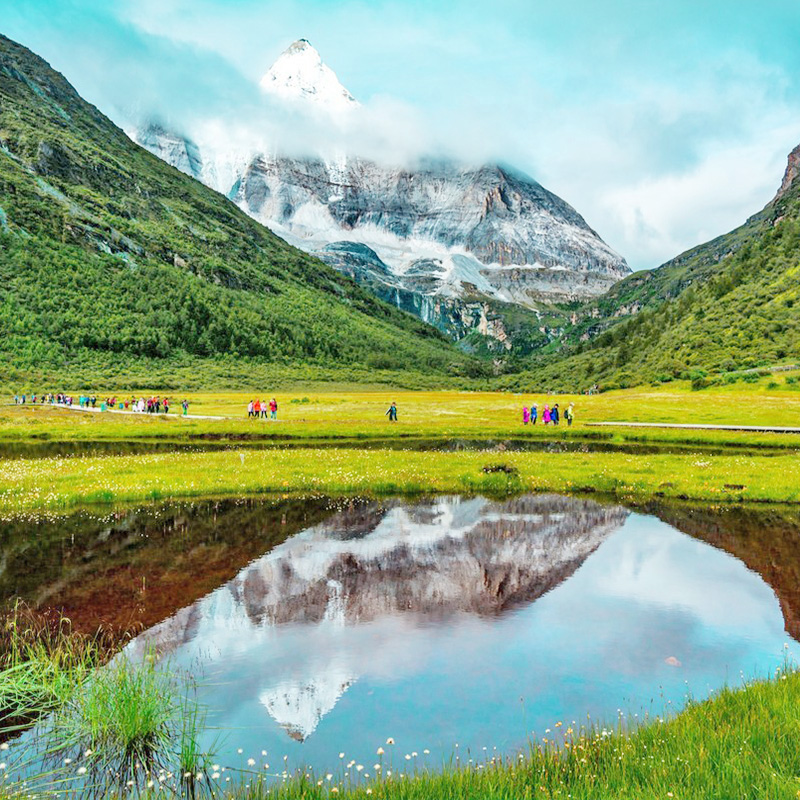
[(448, 624)]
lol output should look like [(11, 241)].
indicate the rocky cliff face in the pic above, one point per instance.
[(382, 564), (440, 229), (177, 150), (791, 174)]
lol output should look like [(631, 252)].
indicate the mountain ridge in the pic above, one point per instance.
[(464, 232), (723, 306), (110, 257)]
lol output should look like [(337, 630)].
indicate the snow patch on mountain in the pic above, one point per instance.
[(444, 235), (300, 74)]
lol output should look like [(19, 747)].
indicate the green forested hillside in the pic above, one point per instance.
[(730, 304), (114, 265)]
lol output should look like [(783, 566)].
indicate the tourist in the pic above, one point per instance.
[(569, 414), (273, 408), (185, 406), (166, 405), (554, 414), (534, 413), (546, 414), (250, 407), (526, 415), (264, 409), (392, 412)]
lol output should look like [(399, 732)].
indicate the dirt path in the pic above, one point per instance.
[(695, 427)]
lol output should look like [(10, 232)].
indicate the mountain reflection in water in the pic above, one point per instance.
[(320, 626), (387, 566)]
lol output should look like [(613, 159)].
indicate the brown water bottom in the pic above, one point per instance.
[(128, 570)]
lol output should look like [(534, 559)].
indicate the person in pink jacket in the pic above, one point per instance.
[(546, 415), (526, 415)]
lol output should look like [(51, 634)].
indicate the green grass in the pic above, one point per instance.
[(41, 661), (125, 724), (741, 744), (314, 412), (96, 728), (56, 484), (744, 466)]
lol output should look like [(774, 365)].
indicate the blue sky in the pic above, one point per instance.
[(663, 123)]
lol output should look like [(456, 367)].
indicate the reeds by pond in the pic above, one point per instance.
[(82, 721)]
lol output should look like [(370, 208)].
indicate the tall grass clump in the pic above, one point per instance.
[(78, 724), (130, 726), (41, 663)]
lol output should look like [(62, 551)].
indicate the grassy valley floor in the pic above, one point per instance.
[(435, 447)]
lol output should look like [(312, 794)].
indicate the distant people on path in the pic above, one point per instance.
[(185, 407), (392, 412), (259, 409), (550, 416), (150, 405)]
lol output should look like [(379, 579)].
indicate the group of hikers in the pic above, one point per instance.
[(58, 399), (550, 416), (151, 405), (260, 408)]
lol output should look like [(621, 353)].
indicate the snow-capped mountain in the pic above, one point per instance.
[(300, 74), (441, 239), (353, 596)]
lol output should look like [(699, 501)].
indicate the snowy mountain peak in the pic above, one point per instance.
[(300, 74)]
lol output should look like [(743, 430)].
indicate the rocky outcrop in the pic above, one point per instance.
[(440, 227), (792, 171), (173, 148)]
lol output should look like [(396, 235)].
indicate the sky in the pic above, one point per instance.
[(664, 124)]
